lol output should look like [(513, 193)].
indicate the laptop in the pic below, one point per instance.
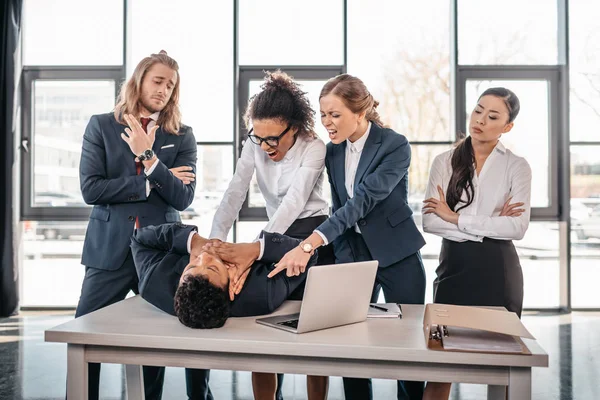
[(334, 295)]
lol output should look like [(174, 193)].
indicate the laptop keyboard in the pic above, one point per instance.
[(292, 323)]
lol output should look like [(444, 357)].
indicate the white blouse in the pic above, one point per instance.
[(503, 175), (292, 187)]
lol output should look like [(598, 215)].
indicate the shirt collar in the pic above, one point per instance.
[(153, 117), (291, 152), (500, 147), (359, 144)]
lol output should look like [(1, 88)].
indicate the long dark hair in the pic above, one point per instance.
[(463, 157), (282, 98)]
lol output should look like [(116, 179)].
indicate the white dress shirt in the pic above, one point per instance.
[(353, 153), (503, 175), (292, 188)]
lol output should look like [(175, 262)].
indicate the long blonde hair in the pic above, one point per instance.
[(129, 96)]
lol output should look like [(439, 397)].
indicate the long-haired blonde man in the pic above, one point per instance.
[(137, 169)]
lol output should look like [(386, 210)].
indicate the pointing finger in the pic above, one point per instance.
[(278, 269)]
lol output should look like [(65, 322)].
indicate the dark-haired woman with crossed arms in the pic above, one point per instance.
[(478, 200)]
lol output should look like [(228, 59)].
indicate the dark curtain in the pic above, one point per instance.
[(10, 28)]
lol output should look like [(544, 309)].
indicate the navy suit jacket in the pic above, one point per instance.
[(379, 204), (109, 182), (160, 255)]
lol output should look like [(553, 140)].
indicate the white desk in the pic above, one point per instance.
[(134, 333)]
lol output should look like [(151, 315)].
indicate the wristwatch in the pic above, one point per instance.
[(146, 155), (307, 247)]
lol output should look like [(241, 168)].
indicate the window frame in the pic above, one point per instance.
[(30, 75), (550, 74)]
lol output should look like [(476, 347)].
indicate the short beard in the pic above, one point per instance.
[(150, 107)]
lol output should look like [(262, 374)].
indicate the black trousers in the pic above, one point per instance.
[(484, 273), (402, 282)]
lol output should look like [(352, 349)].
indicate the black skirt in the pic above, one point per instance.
[(479, 274)]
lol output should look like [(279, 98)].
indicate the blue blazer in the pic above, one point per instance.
[(109, 182), (160, 256), (379, 204)]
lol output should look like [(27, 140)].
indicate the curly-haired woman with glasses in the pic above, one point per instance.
[(289, 160)]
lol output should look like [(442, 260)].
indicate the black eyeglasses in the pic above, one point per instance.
[(271, 141)]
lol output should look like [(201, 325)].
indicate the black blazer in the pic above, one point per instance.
[(160, 255), (109, 182), (380, 202)]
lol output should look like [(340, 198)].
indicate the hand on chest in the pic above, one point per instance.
[(120, 160)]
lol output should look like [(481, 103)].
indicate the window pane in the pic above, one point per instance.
[(313, 89), (61, 111), (400, 49), (73, 32), (52, 270), (530, 136), (247, 231), (275, 32), (202, 44), (516, 32), (538, 254), (585, 225), (214, 170), (422, 157), (584, 47)]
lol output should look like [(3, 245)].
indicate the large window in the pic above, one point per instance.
[(201, 40), (515, 32), (277, 33), (584, 45), (73, 32), (425, 62), (58, 104), (531, 134)]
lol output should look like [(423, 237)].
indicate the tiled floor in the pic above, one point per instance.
[(33, 369)]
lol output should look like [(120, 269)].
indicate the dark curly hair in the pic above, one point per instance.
[(200, 304), (281, 98)]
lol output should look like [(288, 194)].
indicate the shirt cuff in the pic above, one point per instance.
[(147, 188), (189, 242), (261, 240), (150, 170), (464, 222), (325, 241)]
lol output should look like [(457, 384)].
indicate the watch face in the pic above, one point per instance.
[(306, 247), (148, 154)]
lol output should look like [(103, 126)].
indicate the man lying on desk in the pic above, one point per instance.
[(178, 276)]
